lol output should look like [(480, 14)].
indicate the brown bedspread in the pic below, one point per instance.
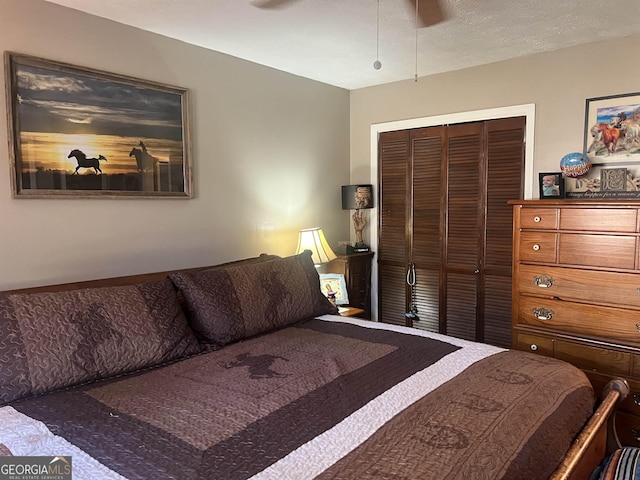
[(232, 413)]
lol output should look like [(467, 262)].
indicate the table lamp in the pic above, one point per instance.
[(313, 239), (358, 198)]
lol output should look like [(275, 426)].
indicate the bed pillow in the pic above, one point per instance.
[(622, 464), (228, 304), (53, 340)]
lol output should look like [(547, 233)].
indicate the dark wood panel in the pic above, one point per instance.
[(394, 156), (464, 205), (428, 299), (393, 166), (461, 306), (391, 294), (426, 207), (427, 179), (505, 160), (504, 181), (497, 310)]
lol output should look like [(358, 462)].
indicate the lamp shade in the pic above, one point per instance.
[(313, 239), (356, 197)]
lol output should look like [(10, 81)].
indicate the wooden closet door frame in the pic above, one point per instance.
[(525, 110)]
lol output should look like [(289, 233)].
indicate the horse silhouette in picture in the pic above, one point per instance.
[(84, 162), (144, 160)]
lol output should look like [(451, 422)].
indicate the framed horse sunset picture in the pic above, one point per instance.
[(85, 133)]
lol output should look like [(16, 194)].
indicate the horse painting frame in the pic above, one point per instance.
[(79, 132), (611, 139), (612, 129)]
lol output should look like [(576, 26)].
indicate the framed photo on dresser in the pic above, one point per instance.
[(551, 185)]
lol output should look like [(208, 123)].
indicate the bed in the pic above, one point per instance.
[(245, 370)]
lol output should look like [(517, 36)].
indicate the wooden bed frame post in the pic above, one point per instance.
[(597, 439)]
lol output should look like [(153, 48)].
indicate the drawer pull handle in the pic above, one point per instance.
[(534, 347), (636, 434), (536, 247), (543, 281), (537, 219), (543, 314), (638, 326), (636, 398)]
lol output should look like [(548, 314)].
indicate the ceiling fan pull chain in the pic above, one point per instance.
[(416, 73), (377, 64)]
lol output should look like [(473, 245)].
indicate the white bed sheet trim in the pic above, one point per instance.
[(312, 458), (25, 436)]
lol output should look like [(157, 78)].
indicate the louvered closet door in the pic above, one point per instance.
[(464, 226), (394, 151), (443, 206), (426, 206), (504, 181)]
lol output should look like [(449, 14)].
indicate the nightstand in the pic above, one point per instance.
[(350, 312), (356, 268)]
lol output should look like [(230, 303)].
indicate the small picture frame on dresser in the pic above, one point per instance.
[(551, 185)]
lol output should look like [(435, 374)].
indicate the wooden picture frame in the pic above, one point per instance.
[(77, 132), (335, 282), (612, 129), (551, 185)]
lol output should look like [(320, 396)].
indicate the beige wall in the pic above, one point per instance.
[(270, 151), (558, 83)]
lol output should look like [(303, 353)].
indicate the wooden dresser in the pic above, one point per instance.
[(356, 268), (576, 291)]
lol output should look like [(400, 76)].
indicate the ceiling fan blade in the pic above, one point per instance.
[(430, 12), (272, 3)]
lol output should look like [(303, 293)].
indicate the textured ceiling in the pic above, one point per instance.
[(334, 41)]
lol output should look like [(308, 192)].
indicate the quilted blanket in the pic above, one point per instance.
[(326, 398)]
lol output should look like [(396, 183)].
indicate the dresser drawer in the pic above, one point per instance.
[(538, 247), (599, 219), (612, 251), (593, 358), (574, 284), (591, 320), (535, 344), (544, 218)]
